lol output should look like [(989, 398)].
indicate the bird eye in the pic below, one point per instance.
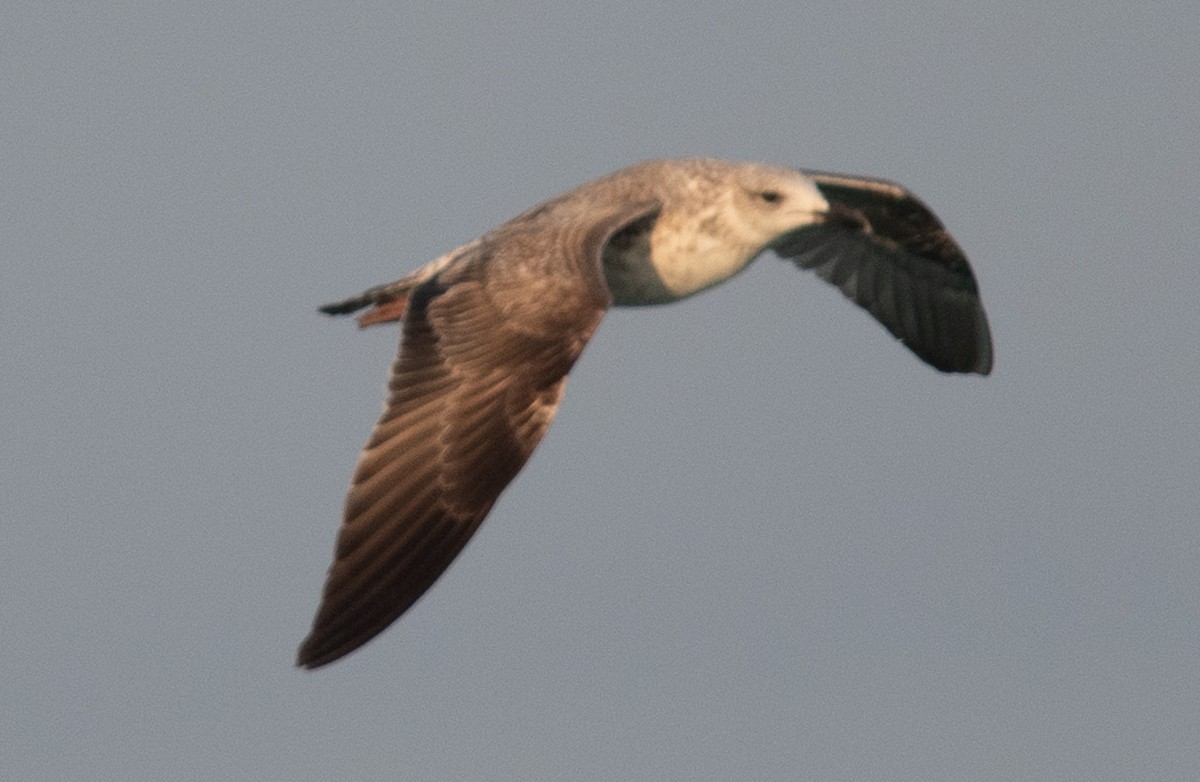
[(770, 196)]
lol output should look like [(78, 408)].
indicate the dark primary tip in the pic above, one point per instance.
[(310, 661)]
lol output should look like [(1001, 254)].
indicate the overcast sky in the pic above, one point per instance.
[(761, 542)]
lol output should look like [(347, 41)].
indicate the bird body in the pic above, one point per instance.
[(492, 328)]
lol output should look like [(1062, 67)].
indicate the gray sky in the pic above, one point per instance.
[(761, 542)]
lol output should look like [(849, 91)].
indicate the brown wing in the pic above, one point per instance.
[(889, 254), (483, 360)]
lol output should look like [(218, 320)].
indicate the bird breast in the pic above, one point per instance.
[(670, 259)]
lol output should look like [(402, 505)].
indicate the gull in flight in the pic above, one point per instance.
[(491, 330)]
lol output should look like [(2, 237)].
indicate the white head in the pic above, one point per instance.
[(719, 215), (767, 202)]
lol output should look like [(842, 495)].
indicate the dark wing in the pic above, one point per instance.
[(888, 253), (485, 351)]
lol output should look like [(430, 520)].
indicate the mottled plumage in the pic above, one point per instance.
[(492, 329)]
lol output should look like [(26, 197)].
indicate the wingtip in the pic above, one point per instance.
[(977, 362), (308, 659), (984, 366)]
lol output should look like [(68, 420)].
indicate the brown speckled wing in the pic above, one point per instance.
[(890, 255), (486, 347)]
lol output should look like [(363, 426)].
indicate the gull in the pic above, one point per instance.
[(491, 330)]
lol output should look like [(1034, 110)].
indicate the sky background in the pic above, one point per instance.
[(762, 541)]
